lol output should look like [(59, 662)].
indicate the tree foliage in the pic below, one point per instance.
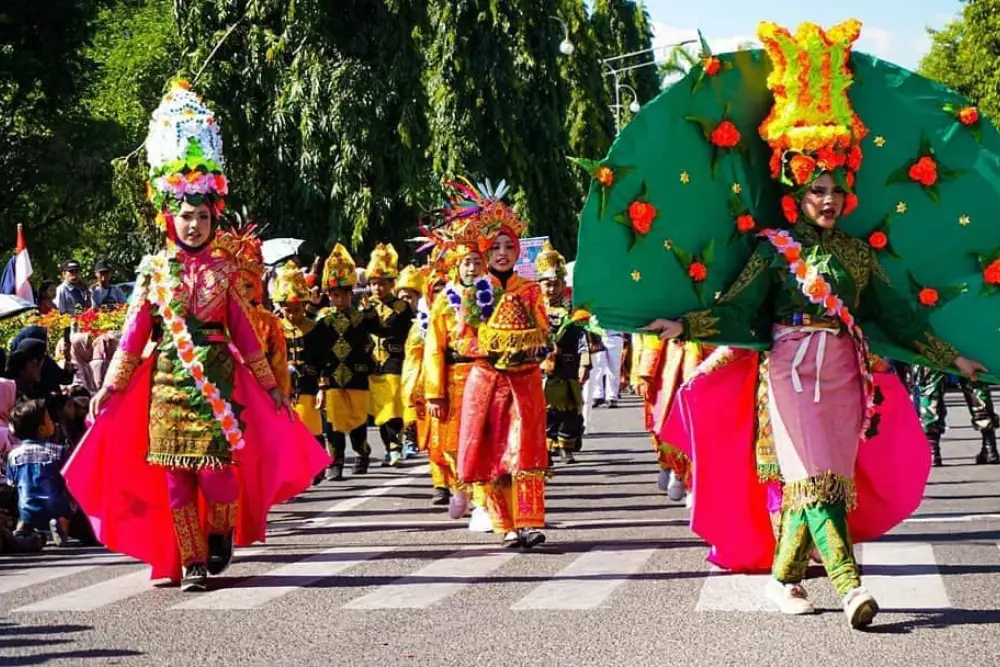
[(965, 55)]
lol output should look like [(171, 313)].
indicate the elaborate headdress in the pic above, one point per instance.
[(290, 285), (549, 263), (339, 269), (383, 262), (812, 127), (242, 246), (184, 151), (471, 218), (411, 278)]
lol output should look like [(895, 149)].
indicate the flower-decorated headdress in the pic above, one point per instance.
[(549, 263), (184, 151), (411, 278), (339, 269), (812, 128), (290, 285), (472, 217), (241, 245), (383, 262)]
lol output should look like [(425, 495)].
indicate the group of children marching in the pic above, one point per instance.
[(401, 356)]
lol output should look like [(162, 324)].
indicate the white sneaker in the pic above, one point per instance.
[(689, 500), (458, 505), (480, 521), (860, 607), (790, 598), (675, 489)]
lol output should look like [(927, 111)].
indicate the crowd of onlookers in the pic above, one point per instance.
[(43, 412)]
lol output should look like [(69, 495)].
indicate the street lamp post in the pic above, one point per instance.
[(616, 73), (566, 46)]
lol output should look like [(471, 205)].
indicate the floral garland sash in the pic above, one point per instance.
[(163, 290), (472, 305), (818, 290)]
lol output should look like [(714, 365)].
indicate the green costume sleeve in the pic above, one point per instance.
[(735, 314), (904, 325)]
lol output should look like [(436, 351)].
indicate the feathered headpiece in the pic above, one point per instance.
[(184, 151), (241, 245), (812, 128), (472, 217)]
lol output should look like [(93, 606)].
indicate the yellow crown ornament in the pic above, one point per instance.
[(339, 269), (411, 278), (812, 128), (550, 264), (290, 285), (383, 262)]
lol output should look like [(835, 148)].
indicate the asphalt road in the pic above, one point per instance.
[(366, 572)]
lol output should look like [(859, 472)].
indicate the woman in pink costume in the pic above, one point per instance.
[(180, 464)]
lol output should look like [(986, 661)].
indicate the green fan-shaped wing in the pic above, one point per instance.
[(940, 237)]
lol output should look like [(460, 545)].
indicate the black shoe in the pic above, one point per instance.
[(386, 460), (195, 579), (220, 553), (361, 465), (530, 538), (335, 473), (440, 497), (936, 452), (612, 405), (598, 402), (988, 454), (567, 455)]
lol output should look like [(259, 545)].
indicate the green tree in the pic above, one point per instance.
[(472, 84), (589, 123), (965, 55), (51, 175), (622, 27), (324, 111)]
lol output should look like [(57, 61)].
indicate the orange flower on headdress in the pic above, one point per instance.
[(790, 208), (802, 167), (850, 203)]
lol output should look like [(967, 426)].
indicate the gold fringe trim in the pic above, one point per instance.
[(824, 489), (501, 341), (768, 472), (533, 474), (186, 461)]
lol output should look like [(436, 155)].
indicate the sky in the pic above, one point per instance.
[(894, 30)]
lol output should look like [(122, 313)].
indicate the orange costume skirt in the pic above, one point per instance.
[(502, 443), (443, 434)]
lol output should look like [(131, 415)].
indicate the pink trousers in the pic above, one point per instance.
[(220, 489)]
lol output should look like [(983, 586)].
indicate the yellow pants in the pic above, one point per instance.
[(385, 398), (346, 409), (305, 408)]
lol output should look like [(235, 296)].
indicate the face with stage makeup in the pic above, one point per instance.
[(193, 224), (823, 202)]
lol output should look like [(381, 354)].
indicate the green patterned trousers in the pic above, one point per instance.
[(824, 526), (929, 386)]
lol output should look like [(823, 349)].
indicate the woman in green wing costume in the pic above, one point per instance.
[(812, 280)]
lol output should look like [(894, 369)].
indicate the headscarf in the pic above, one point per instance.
[(34, 332)]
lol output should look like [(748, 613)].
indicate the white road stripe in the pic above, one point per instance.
[(96, 596), (327, 517), (258, 591), (420, 590), (40, 574), (952, 518), (586, 582), (723, 591), (915, 583)]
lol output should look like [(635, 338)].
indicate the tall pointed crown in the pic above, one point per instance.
[(549, 263), (411, 278), (812, 127), (383, 262), (290, 285), (184, 151), (339, 269)]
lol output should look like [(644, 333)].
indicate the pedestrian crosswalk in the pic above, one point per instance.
[(901, 575)]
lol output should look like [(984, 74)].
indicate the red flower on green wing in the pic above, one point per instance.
[(725, 135)]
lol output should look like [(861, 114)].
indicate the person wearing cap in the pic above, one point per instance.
[(72, 295), (104, 293), (24, 367)]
